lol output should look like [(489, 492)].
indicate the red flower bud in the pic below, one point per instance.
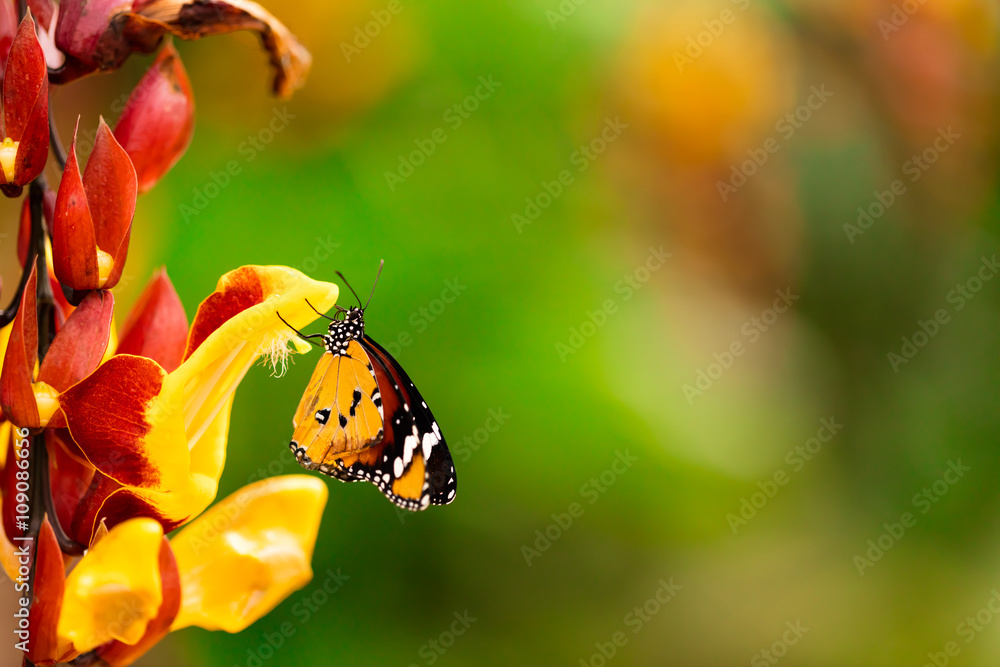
[(93, 216), (157, 327), (158, 121), (50, 582), (81, 342), (25, 144), (82, 23), (16, 394), (8, 28)]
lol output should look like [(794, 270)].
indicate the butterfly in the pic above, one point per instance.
[(361, 418)]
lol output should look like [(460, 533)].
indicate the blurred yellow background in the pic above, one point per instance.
[(700, 293)]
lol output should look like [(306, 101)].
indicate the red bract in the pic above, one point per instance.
[(25, 145), (158, 121), (75, 352), (157, 327), (101, 34), (93, 216), (16, 395), (82, 23), (44, 646), (8, 28), (81, 342)]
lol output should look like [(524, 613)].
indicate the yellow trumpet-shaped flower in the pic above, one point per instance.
[(116, 590), (248, 553)]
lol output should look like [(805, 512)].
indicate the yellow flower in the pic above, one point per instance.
[(248, 553), (114, 591)]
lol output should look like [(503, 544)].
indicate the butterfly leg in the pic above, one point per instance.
[(301, 335)]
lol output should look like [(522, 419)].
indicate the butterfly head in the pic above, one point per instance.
[(342, 331)]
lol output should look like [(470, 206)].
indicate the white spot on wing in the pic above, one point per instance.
[(429, 441), (409, 445)]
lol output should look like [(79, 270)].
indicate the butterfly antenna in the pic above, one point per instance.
[(349, 287), (377, 276), (324, 315)]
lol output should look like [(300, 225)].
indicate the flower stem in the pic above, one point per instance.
[(37, 457), (67, 544), (58, 150)]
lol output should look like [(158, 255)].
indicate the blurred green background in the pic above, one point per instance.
[(754, 537)]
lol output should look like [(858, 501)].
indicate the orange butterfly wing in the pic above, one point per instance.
[(411, 465), (340, 412)]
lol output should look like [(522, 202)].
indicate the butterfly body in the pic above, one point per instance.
[(362, 419)]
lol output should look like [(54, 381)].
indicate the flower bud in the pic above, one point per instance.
[(25, 144), (93, 216), (8, 28), (81, 24), (157, 327), (16, 393), (158, 121)]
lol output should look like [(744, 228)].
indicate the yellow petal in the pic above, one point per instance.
[(47, 400), (115, 590), (8, 156), (219, 356), (105, 263), (112, 343), (249, 552), (5, 338)]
